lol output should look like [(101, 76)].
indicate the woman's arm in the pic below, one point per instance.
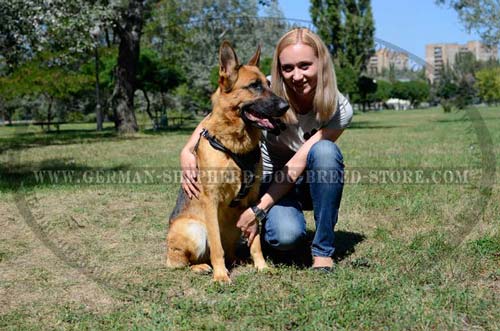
[(189, 165), (292, 170), (295, 167)]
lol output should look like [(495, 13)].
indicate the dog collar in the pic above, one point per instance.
[(247, 163)]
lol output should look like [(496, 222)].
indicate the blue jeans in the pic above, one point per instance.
[(320, 188)]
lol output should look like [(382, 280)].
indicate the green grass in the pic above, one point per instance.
[(414, 256)]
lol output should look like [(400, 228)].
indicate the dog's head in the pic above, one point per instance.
[(246, 92)]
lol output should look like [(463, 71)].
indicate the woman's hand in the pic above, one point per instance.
[(248, 225), (189, 168)]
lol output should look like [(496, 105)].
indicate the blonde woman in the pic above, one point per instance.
[(303, 166)]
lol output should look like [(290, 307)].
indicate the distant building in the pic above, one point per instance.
[(384, 58), (439, 55)]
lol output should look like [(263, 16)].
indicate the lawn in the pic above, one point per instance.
[(417, 253)]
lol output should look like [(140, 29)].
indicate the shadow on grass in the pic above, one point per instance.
[(345, 243), (187, 129), (51, 172), (369, 125), (453, 120), (21, 139)]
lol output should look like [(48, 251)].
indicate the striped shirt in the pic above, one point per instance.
[(278, 150)]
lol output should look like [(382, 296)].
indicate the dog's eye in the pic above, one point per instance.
[(257, 85)]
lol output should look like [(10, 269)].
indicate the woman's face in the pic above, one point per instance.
[(299, 68)]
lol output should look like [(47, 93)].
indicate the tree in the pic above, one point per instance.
[(156, 75), (465, 68), (383, 92), (129, 28), (367, 86), (28, 27), (327, 17), (347, 78), (447, 89), (488, 84), (52, 83), (347, 28), (482, 16), (189, 33), (64, 25), (418, 91)]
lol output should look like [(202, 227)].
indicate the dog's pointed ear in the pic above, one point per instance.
[(254, 61), (228, 66)]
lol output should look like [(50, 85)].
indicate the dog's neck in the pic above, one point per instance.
[(232, 132)]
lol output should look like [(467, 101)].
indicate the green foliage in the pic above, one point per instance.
[(265, 65), (29, 27), (347, 78), (366, 86), (347, 28), (481, 16), (107, 63), (419, 92), (457, 86), (327, 17), (157, 74), (179, 45), (488, 84), (447, 89), (414, 91), (37, 78), (383, 92), (214, 77)]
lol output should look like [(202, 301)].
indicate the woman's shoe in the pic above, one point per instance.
[(326, 270)]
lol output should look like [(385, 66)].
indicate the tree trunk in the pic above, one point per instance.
[(49, 114), (6, 114), (148, 103), (98, 109), (128, 61), (163, 112)]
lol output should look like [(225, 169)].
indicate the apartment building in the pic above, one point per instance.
[(384, 58), (438, 56)]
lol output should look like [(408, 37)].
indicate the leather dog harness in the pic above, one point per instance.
[(247, 163)]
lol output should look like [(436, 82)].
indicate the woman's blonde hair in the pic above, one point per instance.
[(325, 98)]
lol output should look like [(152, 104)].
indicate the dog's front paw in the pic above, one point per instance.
[(222, 276), (261, 265)]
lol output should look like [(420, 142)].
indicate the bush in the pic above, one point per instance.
[(90, 118), (75, 117)]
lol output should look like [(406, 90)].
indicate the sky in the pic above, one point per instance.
[(408, 24)]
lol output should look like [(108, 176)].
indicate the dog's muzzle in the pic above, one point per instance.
[(264, 114)]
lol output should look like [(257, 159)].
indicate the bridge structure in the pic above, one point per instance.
[(384, 50)]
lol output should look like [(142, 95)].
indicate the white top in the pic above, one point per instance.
[(278, 150)]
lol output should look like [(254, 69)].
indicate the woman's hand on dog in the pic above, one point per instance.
[(248, 225), (189, 174)]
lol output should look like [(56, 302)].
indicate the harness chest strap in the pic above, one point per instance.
[(248, 164)]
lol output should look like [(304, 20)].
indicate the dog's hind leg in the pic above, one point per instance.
[(186, 243)]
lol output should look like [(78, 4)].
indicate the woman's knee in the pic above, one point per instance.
[(325, 154), (284, 233)]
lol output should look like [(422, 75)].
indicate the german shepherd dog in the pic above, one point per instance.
[(203, 230)]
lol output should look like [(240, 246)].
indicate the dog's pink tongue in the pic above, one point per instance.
[(264, 122)]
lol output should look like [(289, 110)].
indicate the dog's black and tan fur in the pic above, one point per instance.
[(205, 232)]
